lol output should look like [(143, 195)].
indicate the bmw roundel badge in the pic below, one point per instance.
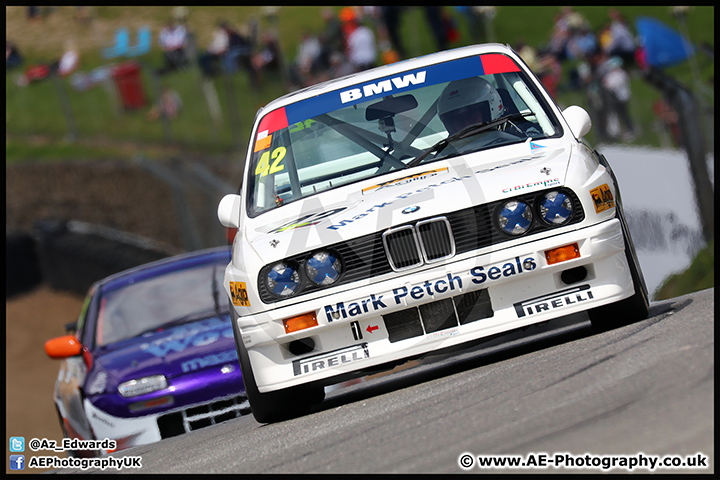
[(412, 209)]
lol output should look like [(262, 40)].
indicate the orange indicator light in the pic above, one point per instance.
[(301, 322), (562, 254)]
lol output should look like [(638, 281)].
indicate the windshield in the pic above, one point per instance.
[(170, 299), (392, 123)]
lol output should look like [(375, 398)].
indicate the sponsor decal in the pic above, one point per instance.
[(372, 209), (498, 63), (552, 301), (263, 141), (444, 333), (327, 360), (266, 167), (447, 285), (209, 360), (602, 198), (383, 87), (404, 180), (539, 183), (186, 336), (307, 220), (272, 122), (239, 294), (534, 146)]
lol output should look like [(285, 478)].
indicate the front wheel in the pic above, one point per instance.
[(278, 405), (629, 310)]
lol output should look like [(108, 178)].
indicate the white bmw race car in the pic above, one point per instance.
[(411, 208)]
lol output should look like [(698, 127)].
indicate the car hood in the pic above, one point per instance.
[(408, 195), (172, 352)]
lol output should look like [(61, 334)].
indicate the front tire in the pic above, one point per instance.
[(278, 405), (629, 310)]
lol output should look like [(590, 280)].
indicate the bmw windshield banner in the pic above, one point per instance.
[(400, 83)]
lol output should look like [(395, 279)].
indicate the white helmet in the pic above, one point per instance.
[(468, 101)]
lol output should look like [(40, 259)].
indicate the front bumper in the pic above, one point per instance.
[(439, 307), (134, 431)]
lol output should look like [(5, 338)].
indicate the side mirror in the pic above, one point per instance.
[(578, 120), (229, 210), (63, 347)]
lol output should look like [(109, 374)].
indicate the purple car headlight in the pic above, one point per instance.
[(140, 386), (97, 385)]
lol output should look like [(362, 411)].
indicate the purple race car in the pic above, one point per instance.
[(151, 356)]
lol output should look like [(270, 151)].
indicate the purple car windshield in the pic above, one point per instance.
[(145, 306)]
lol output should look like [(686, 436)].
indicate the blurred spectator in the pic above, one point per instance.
[(581, 45), (549, 71), (64, 66), (477, 19), (582, 42), (210, 60), (387, 53), (33, 13), (361, 48), (331, 39), (616, 82), (173, 43), (69, 62), (527, 53), (339, 66), (83, 14), (239, 52), (567, 20), (622, 42), (228, 49), (303, 69), (267, 59), (435, 17), (13, 58), (168, 106), (391, 17)]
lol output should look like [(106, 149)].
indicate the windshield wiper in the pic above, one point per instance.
[(468, 131)]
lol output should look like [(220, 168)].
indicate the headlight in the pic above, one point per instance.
[(556, 208), (515, 217), (283, 279), (98, 384), (133, 388), (323, 268)]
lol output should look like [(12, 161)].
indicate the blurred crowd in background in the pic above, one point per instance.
[(599, 62)]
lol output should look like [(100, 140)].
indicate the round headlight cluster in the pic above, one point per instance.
[(283, 279), (287, 278), (323, 268), (556, 208), (515, 217)]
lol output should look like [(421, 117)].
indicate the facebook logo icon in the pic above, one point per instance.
[(17, 444), (17, 462)]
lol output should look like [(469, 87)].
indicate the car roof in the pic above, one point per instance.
[(385, 70), (165, 266)]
